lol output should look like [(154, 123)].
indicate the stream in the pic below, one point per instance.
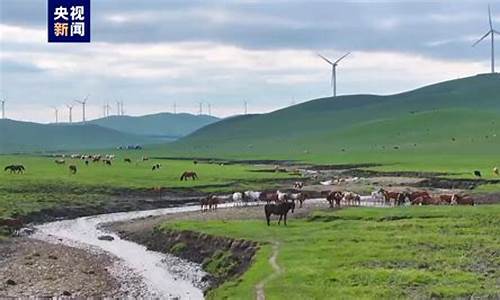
[(163, 275)]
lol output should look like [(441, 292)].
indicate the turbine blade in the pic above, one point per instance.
[(338, 60), (325, 59), (489, 15), (482, 38), (497, 32)]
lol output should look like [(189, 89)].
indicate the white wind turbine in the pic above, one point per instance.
[(491, 32), (3, 107), (56, 111), (70, 109), (334, 70), (83, 103)]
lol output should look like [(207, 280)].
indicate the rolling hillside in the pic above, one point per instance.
[(162, 125), (19, 137), (456, 116)]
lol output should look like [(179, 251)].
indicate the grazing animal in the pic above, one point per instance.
[(252, 196), (298, 185), (461, 200), (477, 173), (86, 162), (378, 196), (446, 198), (72, 169), (403, 199), (328, 182), (334, 198), (195, 162), (209, 203), (282, 197), (107, 162), (352, 198), (237, 198), (281, 209), (300, 197), (156, 167), (189, 174), (60, 161), (19, 169), (495, 171), (390, 197), (422, 198), (269, 197), (144, 158), (127, 160)]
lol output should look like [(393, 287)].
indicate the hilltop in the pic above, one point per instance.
[(456, 115)]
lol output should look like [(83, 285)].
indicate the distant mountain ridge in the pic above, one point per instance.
[(23, 137), (166, 125)]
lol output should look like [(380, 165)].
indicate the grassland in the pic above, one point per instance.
[(370, 253), (46, 184)]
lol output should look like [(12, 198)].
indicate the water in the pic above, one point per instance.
[(152, 267)]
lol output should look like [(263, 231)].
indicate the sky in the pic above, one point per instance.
[(152, 54)]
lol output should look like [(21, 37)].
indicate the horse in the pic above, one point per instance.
[(461, 200), (282, 197), (156, 167), (390, 197), (298, 185), (269, 197), (403, 199), (352, 198), (378, 196), (281, 209), (209, 203), (237, 198), (252, 196), (127, 160), (15, 169), (60, 161), (72, 169), (334, 198), (107, 162), (300, 197), (189, 174)]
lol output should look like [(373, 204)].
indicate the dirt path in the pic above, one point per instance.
[(277, 270)]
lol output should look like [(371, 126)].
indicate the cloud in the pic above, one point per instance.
[(224, 52)]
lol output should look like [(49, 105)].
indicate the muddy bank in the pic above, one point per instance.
[(213, 160), (35, 268), (223, 258), (451, 183)]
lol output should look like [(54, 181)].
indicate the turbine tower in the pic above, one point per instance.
[(209, 109), (70, 109), (122, 112), (3, 108), (334, 70), (175, 107), (118, 108), (83, 103), (107, 107), (491, 32), (245, 107), (56, 111)]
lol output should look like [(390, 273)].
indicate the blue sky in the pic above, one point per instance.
[(151, 54)]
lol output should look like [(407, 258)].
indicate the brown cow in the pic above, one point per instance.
[(462, 200)]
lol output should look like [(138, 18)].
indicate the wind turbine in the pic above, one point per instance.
[(70, 108), (83, 103), (245, 104), (491, 32), (107, 108), (118, 108), (175, 107), (334, 70), (209, 109), (3, 108), (56, 113)]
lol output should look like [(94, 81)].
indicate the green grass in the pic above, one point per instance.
[(369, 253), (46, 184)]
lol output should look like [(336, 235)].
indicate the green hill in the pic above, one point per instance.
[(456, 116), (18, 137), (162, 125)]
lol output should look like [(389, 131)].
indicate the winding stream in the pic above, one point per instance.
[(154, 268)]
